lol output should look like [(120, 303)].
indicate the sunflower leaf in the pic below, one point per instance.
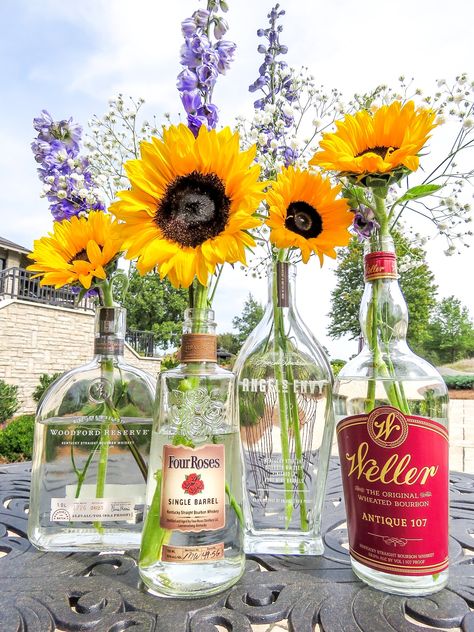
[(418, 192)]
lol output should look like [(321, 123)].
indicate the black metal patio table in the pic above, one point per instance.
[(43, 592)]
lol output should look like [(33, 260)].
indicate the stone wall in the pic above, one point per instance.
[(36, 339)]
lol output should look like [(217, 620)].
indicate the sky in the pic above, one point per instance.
[(71, 57)]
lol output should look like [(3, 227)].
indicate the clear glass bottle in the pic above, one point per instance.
[(284, 384), (91, 447), (192, 543), (392, 409)]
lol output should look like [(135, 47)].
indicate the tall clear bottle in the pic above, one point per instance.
[(392, 430), (284, 384), (192, 543), (91, 448)]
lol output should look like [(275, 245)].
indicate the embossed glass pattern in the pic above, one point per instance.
[(91, 450), (286, 425)]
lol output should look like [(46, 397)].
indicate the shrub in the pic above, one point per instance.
[(8, 401), (45, 382), (16, 439), (337, 365), (459, 382)]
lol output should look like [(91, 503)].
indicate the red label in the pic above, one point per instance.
[(380, 265), (395, 478)]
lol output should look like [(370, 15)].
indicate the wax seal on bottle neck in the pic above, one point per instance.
[(380, 265), (198, 348)]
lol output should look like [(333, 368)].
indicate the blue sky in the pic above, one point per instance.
[(71, 57)]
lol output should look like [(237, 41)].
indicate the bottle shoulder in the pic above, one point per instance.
[(84, 389), (403, 364)]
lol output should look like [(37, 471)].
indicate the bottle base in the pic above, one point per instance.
[(201, 580), (281, 543), (85, 540), (408, 586)]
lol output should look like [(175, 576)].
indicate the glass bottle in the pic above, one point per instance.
[(284, 384), (91, 447), (192, 542), (392, 409)]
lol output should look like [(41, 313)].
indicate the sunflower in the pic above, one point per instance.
[(190, 205), (304, 213), (77, 250), (385, 142)]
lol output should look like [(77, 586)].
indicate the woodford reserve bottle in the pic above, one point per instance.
[(393, 444), (91, 447), (192, 542)]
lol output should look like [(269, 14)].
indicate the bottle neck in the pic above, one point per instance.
[(109, 336), (383, 312), (281, 285), (199, 340)]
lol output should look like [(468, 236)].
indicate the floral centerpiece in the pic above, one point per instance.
[(304, 215), (97, 406), (189, 210)]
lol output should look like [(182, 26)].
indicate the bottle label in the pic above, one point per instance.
[(193, 488), (380, 265), (282, 284), (192, 554), (108, 345), (100, 509), (198, 348), (395, 478)]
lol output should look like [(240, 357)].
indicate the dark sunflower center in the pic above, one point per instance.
[(194, 208), (303, 219), (380, 151), (81, 256)]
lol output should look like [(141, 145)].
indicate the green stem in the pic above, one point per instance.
[(153, 534), (282, 401)]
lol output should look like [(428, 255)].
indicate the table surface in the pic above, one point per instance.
[(102, 593)]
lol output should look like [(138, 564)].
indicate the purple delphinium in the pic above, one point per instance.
[(203, 61), (364, 222), (275, 82), (67, 180)]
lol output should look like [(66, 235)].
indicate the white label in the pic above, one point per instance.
[(101, 509)]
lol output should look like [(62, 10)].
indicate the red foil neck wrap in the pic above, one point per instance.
[(380, 265), (395, 476), (198, 348)]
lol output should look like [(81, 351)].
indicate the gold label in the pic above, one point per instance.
[(198, 348), (193, 554)]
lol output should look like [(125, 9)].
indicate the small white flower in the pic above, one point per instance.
[(288, 110), (316, 123), (274, 144), (50, 179), (61, 195), (468, 123), (262, 139), (83, 193)]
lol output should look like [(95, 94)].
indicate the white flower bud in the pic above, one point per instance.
[(61, 195)]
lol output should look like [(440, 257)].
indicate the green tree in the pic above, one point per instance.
[(416, 281), (451, 332), (252, 314), (155, 305)]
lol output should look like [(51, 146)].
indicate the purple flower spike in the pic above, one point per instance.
[(364, 222), (68, 183), (203, 61)]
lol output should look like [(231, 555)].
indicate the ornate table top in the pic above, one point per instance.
[(43, 592)]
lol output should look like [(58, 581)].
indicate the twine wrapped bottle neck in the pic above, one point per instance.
[(199, 340)]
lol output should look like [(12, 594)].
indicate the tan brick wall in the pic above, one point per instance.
[(36, 339)]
